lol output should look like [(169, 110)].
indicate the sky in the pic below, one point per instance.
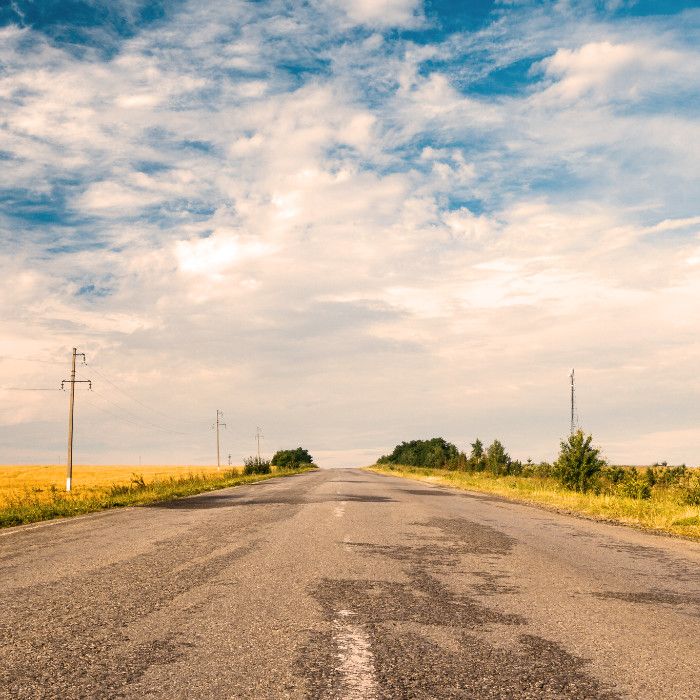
[(351, 223)]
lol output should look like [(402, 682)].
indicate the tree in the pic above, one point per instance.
[(289, 459), (423, 453), (497, 459), (578, 462), (477, 461)]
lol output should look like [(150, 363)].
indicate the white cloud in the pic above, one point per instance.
[(381, 13), (620, 72), (212, 257)]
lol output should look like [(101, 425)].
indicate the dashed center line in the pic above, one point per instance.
[(355, 660)]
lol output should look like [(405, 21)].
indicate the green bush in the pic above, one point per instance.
[(670, 476), (634, 486), (256, 465), (615, 475), (578, 462), (650, 477), (692, 495), (291, 459), (542, 470)]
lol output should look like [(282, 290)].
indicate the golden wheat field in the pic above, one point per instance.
[(18, 479)]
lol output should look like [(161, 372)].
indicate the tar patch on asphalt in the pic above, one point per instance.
[(426, 641)]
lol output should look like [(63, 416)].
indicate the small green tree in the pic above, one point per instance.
[(477, 461), (497, 459), (578, 462)]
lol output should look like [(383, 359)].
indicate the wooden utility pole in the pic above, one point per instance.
[(219, 416), (72, 381)]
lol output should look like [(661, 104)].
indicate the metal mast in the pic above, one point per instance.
[(573, 402)]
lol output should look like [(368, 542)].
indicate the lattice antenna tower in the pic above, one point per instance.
[(574, 417)]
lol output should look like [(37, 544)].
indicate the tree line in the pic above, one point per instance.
[(579, 466)]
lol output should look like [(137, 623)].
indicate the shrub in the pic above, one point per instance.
[(650, 476), (692, 495), (671, 476), (615, 475), (291, 459), (545, 469), (516, 467), (256, 465), (635, 487), (578, 462)]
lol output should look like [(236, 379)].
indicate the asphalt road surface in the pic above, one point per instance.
[(346, 584)]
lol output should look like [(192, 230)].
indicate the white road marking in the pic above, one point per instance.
[(355, 660), (339, 510)]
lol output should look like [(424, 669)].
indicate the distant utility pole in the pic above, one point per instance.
[(229, 459), (259, 435), (72, 381), (219, 424), (573, 402)]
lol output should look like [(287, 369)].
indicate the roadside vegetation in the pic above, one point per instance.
[(658, 497), (282, 461), (32, 503)]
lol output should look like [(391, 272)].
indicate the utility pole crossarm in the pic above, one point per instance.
[(75, 381)]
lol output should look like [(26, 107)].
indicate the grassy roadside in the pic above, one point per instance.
[(32, 506), (663, 513)]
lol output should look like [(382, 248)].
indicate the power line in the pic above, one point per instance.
[(138, 419), (124, 419), (129, 396), (30, 359), (22, 388)]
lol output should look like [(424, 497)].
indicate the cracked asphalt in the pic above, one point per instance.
[(346, 584)]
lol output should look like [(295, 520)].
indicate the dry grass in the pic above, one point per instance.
[(664, 512), (29, 494), (17, 479)]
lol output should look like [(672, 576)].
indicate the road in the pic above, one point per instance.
[(346, 584)]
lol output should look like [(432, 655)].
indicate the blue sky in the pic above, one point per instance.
[(352, 222)]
